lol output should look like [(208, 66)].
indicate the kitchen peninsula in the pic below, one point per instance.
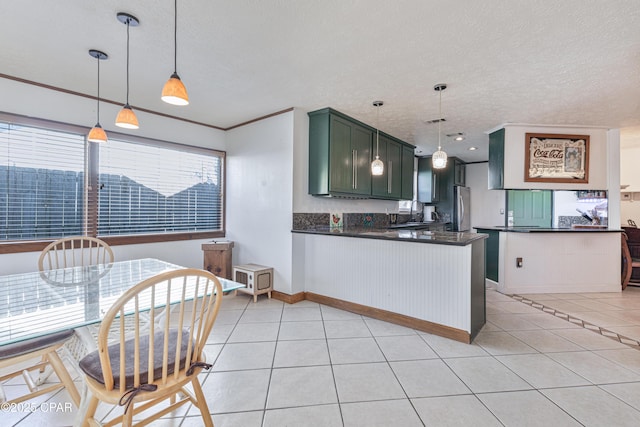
[(427, 280), (530, 260)]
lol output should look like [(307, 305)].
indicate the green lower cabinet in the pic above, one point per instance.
[(492, 251)]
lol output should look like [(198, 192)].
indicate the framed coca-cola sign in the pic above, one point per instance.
[(556, 158)]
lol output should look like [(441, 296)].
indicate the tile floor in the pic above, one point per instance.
[(311, 365)]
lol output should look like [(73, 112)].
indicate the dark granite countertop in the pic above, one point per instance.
[(524, 229), (421, 236)]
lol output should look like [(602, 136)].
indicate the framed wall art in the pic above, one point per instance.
[(556, 158)]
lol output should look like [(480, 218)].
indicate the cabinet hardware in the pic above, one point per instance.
[(389, 176)]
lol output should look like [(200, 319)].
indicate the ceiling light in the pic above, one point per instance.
[(377, 166), (457, 136), (473, 148), (439, 158), (174, 92), (126, 117), (97, 134)]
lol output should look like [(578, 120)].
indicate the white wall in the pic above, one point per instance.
[(514, 147), (259, 195), (37, 102), (485, 204)]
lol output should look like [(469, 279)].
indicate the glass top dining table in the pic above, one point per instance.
[(40, 303)]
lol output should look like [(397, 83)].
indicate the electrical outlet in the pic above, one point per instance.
[(519, 262)]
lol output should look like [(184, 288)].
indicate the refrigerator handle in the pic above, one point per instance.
[(460, 209)]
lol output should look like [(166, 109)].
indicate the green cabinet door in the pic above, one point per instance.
[(341, 157), (428, 181), (389, 184), (460, 172), (361, 145), (531, 208), (407, 173), (496, 160)]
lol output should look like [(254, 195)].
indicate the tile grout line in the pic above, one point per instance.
[(579, 322)]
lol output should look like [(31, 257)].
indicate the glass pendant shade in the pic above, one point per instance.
[(127, 118), (377, 167), (97, 134), (174, 92), (439, 159)]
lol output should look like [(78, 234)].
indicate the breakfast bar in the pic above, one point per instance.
[(427, 280)]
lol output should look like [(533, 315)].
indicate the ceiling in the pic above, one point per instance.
[(573, 62)]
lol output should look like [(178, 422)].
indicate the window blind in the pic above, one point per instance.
[(145, 189), (41, 183)]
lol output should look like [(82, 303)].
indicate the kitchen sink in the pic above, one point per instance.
[(414, 225)]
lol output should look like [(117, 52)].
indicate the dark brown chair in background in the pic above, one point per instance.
[(628, 262)]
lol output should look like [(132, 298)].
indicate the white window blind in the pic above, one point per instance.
[(145, 189), (41, 183)]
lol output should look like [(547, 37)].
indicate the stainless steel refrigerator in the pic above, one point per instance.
[(462, 209)]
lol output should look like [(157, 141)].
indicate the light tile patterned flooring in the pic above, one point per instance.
[(311, 365)]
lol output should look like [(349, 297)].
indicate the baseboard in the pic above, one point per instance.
[(388, 316), (289, 299)]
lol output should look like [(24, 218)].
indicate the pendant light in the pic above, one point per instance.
[(377, 166), (439, 158), (97, 134), (126, 117), (174, 91)]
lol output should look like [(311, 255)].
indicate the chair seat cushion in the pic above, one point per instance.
[(91, 366), (28, 346)]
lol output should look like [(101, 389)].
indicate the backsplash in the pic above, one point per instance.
[(568, 221), (303, 221)]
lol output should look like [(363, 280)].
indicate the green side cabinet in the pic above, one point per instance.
[(496, 160), (428, 181), (341, 150)]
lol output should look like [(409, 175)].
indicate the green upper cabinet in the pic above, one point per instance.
[(496, 160), (389, 184), (407, 173), (428, 180), (340, 153)]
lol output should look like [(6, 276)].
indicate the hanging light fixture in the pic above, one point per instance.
[(174, 91), (439, 158), (97, 134), (377, 166), (126, 117)]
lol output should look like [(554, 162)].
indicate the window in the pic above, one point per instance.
[(149, 189), (137, 189)]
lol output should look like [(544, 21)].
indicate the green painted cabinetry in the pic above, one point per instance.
[(407, 173), (389, 184), (340, 153), (428, 188), (496, 160)]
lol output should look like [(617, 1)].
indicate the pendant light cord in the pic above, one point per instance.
[(128, 20), (440, 121), (98, 116), (377, 130), (175, 37)]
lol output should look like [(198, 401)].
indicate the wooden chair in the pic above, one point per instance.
[(163, 357), (46, 349), (75, 252), (628, 263)]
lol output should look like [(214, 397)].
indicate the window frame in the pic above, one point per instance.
[(90, 225)]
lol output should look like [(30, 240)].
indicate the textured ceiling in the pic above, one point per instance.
[(542, 62)]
